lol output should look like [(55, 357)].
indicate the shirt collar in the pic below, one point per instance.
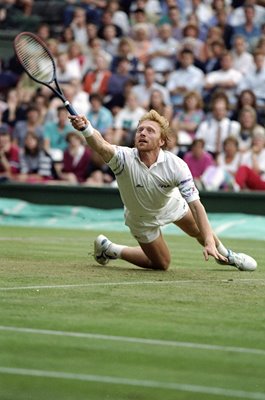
[(160, 158)]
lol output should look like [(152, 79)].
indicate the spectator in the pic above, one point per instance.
[(188, 119), (126, 48), (251, 173), (67, 69), (229, 159), (117, 83), (191, 39), (76, 160), (100, 116), (162, 52), (55, 134), (93, 50), (106, 19), (249, 29), (15, 111), (142, 44), (211, 59), (119, 17), (79, 25), (110, 40), (139, 16), (126, 121), (214, 35), (255, 79), (198, 160), (222, 16), (215, 129), (31, 124), (248, 122), (226, 79), (247, 98), (187, 77), (9, 156), (158, 104), (36, 164), (242, 59), (96, 80), (65, 39), (144, 89), (173, 18)]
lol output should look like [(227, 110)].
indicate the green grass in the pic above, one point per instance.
[(194, 302)]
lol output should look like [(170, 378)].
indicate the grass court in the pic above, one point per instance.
[(73, 330)]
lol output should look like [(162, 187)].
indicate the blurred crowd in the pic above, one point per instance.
[(201, 64)]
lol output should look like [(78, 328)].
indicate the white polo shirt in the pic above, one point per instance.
[(155, 193)]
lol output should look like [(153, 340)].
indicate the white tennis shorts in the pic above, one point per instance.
[(146, 229)]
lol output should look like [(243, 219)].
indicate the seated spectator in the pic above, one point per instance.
[(227, 79), (67, 69), (144, 89), (117, 83), (211, 60), (65, 39), (99, 116), (186, 78), (188, 119), (15, 111), (250, 174), (96, 80), (255, 79), (158, 104), (79, 25), (126, 50), (110, 40), (229, 161), (9, 156), (217, 126), (119, 17), (191, 39), (36, 165), (248, 122), (99, 173), (214, 34), (142, 42), (198, 159), (31, 124), (162, 52), (126, 121), (246, 98), (55, 133), (173, 17), (249, 29), (76, 160), (241, 58)]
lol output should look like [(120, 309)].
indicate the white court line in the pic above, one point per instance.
[(128, 339), (217, 391), (129, 283)]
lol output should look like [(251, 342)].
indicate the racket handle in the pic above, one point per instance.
[(71, 110)]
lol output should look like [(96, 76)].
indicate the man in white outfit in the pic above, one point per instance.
[(157, 188)]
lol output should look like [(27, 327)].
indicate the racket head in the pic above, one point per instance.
[(35, 57)]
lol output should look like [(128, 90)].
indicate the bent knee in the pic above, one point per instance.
[(162, 265)]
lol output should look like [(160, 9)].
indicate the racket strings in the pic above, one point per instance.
[(35, 59)]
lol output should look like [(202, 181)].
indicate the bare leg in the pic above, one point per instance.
[(189, 226), (154, 255)]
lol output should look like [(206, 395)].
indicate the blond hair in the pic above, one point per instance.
[(165, 131)]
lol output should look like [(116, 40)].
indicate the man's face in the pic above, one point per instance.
[(219, 110), (148, 136)]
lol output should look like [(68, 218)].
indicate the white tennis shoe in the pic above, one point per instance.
[(241, 261), (102, 250)]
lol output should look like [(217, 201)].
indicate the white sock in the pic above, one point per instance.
[(115, 250), (222, 249)]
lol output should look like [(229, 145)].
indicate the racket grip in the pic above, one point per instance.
[(71, 110)]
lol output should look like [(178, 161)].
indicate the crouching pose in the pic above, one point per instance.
[(156, 188)]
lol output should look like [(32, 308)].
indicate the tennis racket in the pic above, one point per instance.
[(38, 63)]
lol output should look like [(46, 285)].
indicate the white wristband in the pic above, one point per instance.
[(88, 131)]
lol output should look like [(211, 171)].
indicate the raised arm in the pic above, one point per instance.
[(93, 138)]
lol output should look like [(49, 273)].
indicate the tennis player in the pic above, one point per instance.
[(156, 188)]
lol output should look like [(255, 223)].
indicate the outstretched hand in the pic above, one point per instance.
[(211, 250), (79, 122)]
